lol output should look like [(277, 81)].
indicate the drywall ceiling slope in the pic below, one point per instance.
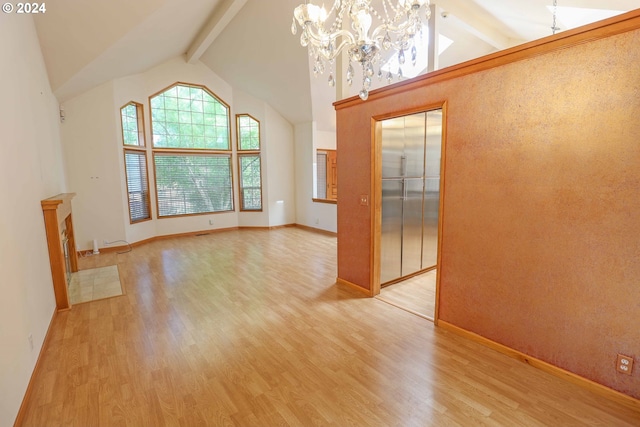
[(532, 19), (73, 33), (88, 43), (257, 54)]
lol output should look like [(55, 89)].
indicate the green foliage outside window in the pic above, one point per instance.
[(250, 182), (194, 177), (188, 184), (191, 118), (248, 133), (130, 131), (249, 163)]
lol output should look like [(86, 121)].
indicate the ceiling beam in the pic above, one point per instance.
[(221, 16)]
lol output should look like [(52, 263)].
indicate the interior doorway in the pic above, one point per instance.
[(409, 156)]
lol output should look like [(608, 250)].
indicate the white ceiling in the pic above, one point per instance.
[(249, 43)]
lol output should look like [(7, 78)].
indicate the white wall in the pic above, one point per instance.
[(303, 136), (153, 81), (31, 169), (92, 137), (280, 157), (309, 213), (92, 158)]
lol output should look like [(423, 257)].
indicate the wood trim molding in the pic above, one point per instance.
[(106, 250), (358, 288), (277, 227), (606, 28), (443, 192), (162, 237), (409, 276), (375, 203), (376, 194), (317, 230), (57, 215), (593, 386), (23, 406), (408, 310), (328, 201), (110, 249)]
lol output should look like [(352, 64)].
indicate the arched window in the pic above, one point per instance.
[(191, 151)]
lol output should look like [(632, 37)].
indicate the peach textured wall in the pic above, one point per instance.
[(541, 223)]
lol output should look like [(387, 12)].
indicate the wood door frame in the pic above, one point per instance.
[(376, 193)]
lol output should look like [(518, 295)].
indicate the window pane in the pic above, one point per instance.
[(250, 182), (137, 185), (326, 177), (179, 116), (193, 183), (248, 132), (132, 127)]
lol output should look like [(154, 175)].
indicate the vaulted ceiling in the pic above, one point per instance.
[(249, 43)]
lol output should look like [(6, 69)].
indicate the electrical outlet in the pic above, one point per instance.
[(31, 341), (364, 200), (624, 364), (210, 222), (104, 242)]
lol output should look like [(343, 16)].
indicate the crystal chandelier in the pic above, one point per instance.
[(398, 23)]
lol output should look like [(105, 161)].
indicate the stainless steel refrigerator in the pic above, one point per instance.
[(411, 147)]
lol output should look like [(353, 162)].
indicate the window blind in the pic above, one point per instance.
[(250, 182), (137, 185), (193, 183)]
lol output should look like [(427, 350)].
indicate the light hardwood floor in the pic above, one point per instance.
[(416, 295), (247, 328)]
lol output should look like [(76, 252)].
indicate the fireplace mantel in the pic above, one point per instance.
[(58, 220)]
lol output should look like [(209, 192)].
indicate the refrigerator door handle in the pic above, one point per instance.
[(403, 166), (404, 189)]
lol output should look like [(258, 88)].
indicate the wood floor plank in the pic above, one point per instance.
[(416, 294), (247, 328)]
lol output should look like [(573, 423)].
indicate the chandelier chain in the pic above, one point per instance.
[(554, 27)]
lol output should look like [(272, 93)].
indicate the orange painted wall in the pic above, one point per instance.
[(541, 222)]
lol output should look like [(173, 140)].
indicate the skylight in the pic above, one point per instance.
[(422, 43), (572, 17)]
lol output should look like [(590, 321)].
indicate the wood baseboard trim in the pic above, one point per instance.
[(277, 227), (121, 248), (317, 230), (593, 386), (353, 286), (408, 310), (27, 394), (407, 277), (105, 250), (193, 233)]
